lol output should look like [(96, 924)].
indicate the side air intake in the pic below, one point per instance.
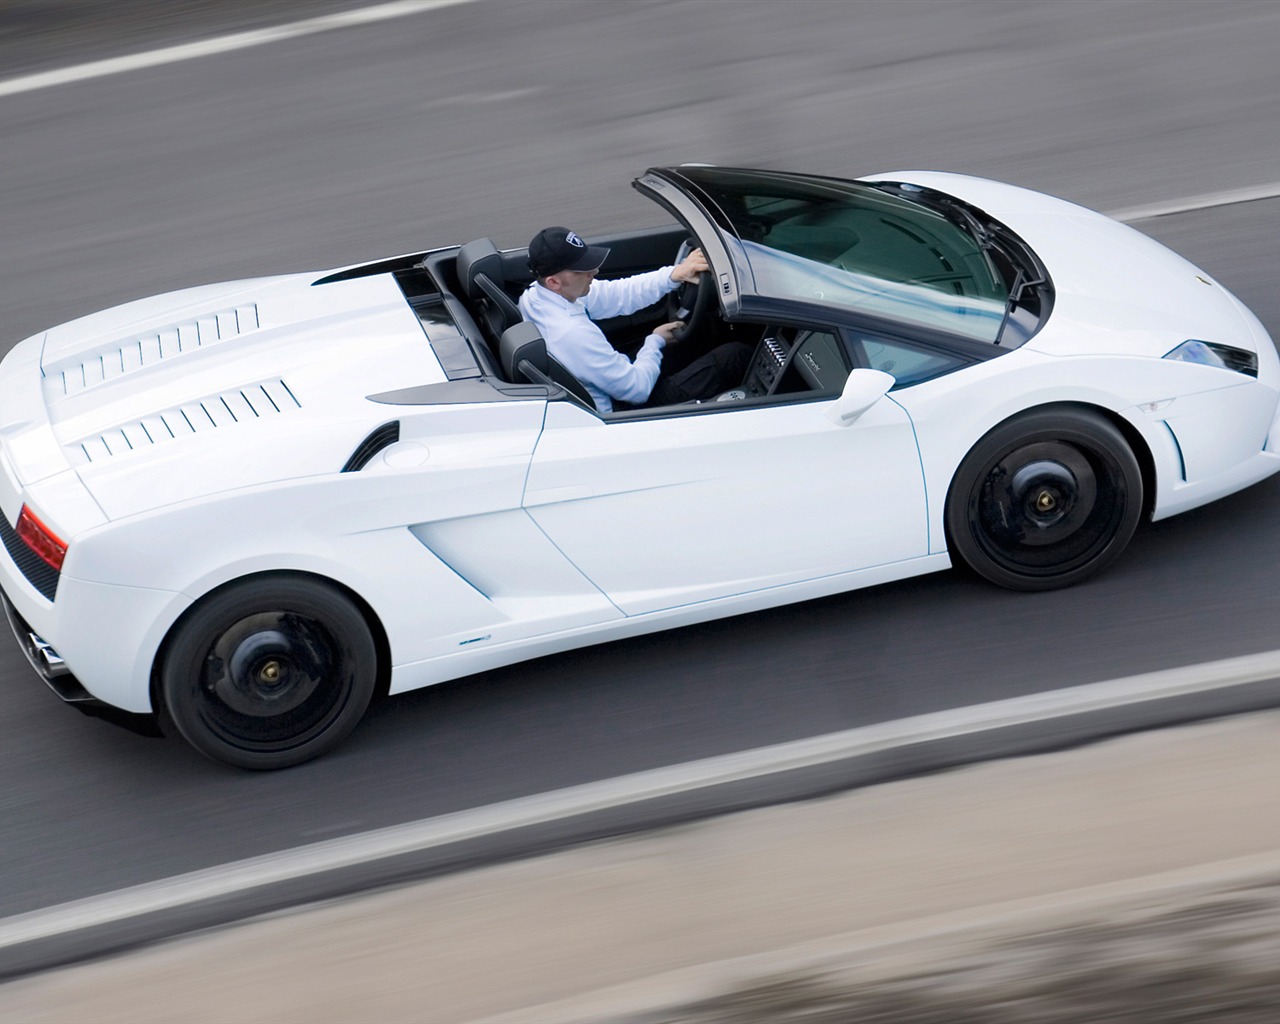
[(383, 437)]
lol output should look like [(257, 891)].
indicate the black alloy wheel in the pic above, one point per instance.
[(1045, 500), (270, 672)]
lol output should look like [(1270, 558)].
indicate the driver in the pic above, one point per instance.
[(558, 303)]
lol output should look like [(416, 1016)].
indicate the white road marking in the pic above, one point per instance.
[(418, 836), (219, 44), (480, 99), (1207, 201)]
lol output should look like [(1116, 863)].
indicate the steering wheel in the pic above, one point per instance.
[(691, 301)]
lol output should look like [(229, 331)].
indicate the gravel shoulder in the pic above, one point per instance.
[(1139, 873)]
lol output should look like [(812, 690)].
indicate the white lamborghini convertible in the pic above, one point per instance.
[(246, 509)]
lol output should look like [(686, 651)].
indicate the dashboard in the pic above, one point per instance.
[(790, 360)]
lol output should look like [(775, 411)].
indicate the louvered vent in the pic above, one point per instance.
[(39, 573), (382, 437), (270, 398), (120, 358)]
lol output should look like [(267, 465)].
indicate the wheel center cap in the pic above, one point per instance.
[(270, 672)]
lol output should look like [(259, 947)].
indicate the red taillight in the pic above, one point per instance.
[(40, 539)]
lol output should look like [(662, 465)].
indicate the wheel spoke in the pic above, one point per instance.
[(1045, 501), (270, 673)]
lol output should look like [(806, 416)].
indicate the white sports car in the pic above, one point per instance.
[(248, 508)]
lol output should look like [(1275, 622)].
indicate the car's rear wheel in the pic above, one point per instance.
[(1045, 500), (269, 672)]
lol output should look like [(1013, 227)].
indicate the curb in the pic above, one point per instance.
[(521, 828)]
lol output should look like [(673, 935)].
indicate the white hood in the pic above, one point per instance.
[(212, 388)]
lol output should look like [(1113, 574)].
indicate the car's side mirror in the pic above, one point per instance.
[(861, 391)]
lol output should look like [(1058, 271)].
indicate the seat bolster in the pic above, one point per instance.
[(557, 372), (520, 342), (479, 257), (503, 302)]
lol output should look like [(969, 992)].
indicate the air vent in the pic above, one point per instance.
[(65, 379), (38, 572), (383, 437), (245, 405)]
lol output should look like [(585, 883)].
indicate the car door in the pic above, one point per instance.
[(670, 510)]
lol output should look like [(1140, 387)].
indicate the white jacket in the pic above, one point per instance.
[(581, 347)]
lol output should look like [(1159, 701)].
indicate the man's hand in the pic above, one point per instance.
[(667, 332), (688, 269)]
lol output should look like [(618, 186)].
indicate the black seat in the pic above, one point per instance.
[(524, 357), (484, 287)]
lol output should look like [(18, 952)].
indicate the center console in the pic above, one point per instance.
[(768, 363)]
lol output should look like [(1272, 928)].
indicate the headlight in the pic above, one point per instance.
[(1206, 353)]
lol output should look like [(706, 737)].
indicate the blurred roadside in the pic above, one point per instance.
[(1136, 879), (40, 35)]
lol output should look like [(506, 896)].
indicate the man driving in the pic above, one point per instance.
[(566, 299)]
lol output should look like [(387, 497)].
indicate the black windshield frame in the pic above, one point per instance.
[(871, 250)]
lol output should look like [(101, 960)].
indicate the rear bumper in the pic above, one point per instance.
[(44, 659), (53, 670)]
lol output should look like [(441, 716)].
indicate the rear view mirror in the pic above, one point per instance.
[(861, 391)]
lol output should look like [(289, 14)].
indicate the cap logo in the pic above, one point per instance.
[(573, 239)]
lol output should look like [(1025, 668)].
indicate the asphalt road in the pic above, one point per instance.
[(494, 118)]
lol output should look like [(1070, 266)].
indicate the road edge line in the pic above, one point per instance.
[(1205, 201), (218, 44)]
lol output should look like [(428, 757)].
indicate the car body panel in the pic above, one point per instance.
[(500, 520), (727, 503), (199, 396), (481, 658), (1118, 292)]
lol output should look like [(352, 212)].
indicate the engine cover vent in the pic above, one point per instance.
[(245, 405), (62, 380)]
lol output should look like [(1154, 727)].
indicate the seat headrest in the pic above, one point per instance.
[(479, 257), (519, 342)]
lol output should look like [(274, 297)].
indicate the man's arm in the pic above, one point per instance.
[(628, 294), (585, 352)]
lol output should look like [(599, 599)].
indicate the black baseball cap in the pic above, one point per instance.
[(556, 249)]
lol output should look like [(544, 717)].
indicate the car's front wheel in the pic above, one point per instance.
[(269, 672), (1045, 500)]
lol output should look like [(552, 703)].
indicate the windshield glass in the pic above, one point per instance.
[(852, 245)]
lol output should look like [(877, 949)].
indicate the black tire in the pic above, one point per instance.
[(1045, 500), (269, 673)]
